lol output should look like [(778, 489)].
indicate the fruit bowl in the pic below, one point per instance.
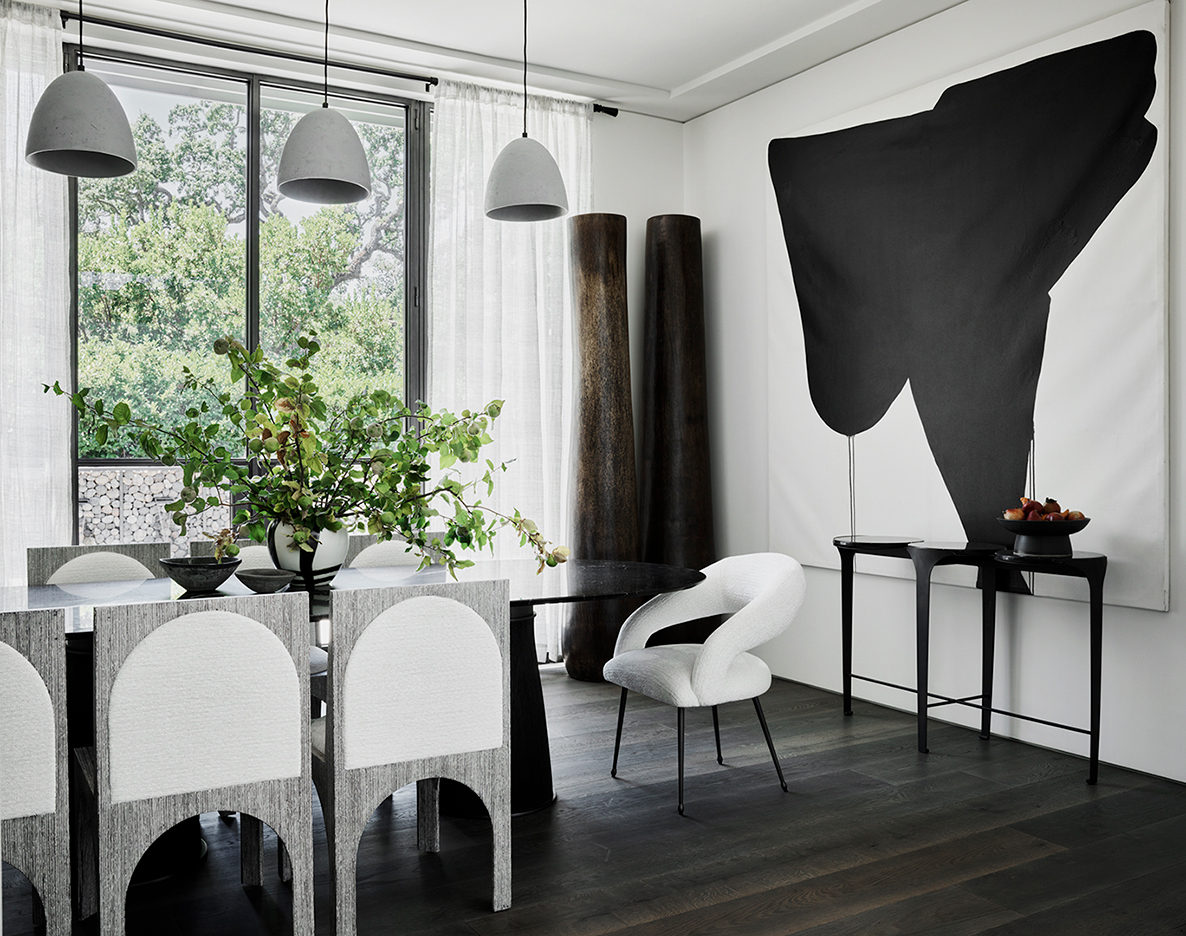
[(1049, 538)]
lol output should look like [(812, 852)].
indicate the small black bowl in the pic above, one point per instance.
[(265, 581), (1050, 538), (199, 574)]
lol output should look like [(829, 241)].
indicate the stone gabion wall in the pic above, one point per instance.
[(127, 505)]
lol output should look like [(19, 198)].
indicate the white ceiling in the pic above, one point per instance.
[(667, 58)]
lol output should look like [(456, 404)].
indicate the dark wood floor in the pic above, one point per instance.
[(872, 838)]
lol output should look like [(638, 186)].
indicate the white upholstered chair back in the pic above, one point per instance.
[(393, 552), (28, 776), (424, 679), (34, 784), (247, 727), (115, 562)]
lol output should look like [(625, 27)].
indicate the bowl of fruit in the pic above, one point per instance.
[(1042, 528)]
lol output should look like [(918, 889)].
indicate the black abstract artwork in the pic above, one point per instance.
[(923, 249)]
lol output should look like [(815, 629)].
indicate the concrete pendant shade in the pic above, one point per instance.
[(525, 184), (323, 161), (79, 129)]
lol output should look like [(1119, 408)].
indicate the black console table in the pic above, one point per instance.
[(992, 561)]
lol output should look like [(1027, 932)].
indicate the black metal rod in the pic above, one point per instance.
[(239, 47), (605, 109)]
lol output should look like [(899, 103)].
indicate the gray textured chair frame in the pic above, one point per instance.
[(36, 842), (763, 592), (349, 795), (130, 820), (44, 561)]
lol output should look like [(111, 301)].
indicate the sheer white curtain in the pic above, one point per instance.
[(35, 340), (501, 323)]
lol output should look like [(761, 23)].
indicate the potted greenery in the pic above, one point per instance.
[(315, 471)]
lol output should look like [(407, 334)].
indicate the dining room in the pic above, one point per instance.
[(647, 390)]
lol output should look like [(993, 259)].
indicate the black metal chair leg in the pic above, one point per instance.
[(680, 731), (618, 740), (716, 730), (769, 742)]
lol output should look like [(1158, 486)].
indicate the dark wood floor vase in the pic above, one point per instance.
[(873, 838)]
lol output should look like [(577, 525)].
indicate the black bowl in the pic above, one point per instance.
[(1051, 538), (265, 581), (199, 574)]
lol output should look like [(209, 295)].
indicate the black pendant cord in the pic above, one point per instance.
[(325, 60), (80, 62), (524, 67)]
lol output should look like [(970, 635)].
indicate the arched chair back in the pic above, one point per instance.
[(419, 690), (201, 705), (762, 592), (393, 552), (34, 778), (112, 562)]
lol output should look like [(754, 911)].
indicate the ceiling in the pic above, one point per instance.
[(667, 58)]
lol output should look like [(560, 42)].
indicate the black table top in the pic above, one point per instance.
[(575, 580)]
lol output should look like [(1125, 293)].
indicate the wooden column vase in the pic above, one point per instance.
[(605, 507), (675, 511)]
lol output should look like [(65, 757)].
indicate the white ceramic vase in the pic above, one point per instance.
[(315, 569)]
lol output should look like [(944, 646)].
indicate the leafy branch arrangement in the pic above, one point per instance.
[(365, 465)]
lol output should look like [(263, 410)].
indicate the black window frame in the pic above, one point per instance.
[(417, 115)]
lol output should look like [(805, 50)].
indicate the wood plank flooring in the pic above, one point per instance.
[(872, 838)]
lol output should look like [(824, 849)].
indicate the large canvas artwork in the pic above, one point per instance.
[(964, 270)]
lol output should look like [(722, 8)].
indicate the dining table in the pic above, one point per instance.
[(572, 581)]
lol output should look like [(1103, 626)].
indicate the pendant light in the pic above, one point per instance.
[(525, 182), (78, 127), (323, 159)]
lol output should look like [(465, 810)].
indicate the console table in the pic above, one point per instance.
[(991, 560)]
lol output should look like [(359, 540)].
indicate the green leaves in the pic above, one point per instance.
[(371, 462)]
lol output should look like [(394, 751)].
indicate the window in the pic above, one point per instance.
[(165, 264)]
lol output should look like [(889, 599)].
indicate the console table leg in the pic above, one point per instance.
[(922, 579), (1096, 584), (988, 577), (846, 568)]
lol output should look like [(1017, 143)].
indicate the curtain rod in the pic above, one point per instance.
[(605, 109), (429, 81)]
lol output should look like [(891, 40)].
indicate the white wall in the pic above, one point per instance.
[(1042, 643), (637, 172)]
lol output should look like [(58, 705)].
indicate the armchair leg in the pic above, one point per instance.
[(769, 742), (680, 731), (716, 730), (618, 740)]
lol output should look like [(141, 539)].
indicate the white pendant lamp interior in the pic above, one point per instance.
[(78, 127), (525, 182), (323, 159)]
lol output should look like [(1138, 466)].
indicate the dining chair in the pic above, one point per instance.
[(102, 562), (762, 592), (419, 689), (34, 777), (202, 705)]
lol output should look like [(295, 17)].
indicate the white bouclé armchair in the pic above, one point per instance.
[(762, 592)]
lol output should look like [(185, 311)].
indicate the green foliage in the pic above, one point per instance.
[(367, 464), (162, 261)]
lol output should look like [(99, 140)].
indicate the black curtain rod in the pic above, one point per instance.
[(251, 50), (604, 109)]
